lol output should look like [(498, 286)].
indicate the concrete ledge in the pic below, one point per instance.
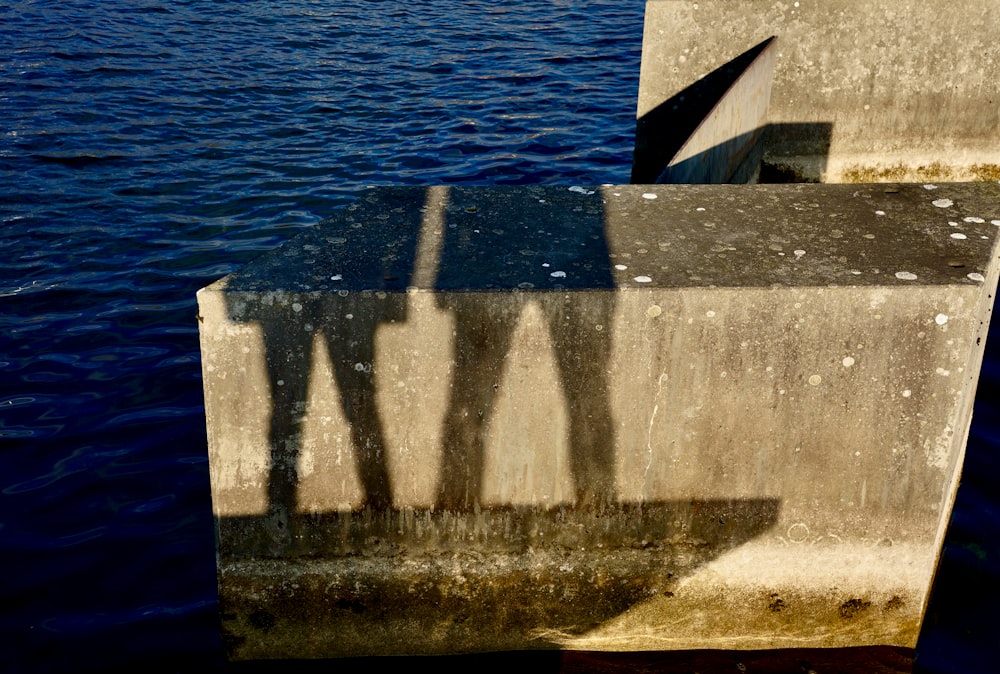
[(618, 418), (899, 91)]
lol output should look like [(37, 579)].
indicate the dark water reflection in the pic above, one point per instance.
[(148, 148)]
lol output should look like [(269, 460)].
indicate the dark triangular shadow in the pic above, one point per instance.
[(663, 131)]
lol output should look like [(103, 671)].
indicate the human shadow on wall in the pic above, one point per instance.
[(497, 251), (325, 283), (525, 247), (497, 254)]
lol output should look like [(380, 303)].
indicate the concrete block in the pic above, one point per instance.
[(896, 91), (616, 418)]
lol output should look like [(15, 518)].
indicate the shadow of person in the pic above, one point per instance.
[(335, 283), (526, 246)]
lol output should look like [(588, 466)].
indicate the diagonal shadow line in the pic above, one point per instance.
[(662, 131), (758, 166)]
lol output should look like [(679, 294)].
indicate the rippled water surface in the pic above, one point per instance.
[(149, 148)]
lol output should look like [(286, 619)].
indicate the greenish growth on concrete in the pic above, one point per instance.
[(893, 91), (616, 418)]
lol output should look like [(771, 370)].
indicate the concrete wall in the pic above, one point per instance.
[(617, 418), (906, 90)]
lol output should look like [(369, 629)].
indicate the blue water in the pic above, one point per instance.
[(148, 148)]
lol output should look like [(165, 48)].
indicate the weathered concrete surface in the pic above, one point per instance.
[(619, 418), (726, 146), (911, 89)]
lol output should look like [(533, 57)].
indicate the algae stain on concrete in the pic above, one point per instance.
[(934, 171)]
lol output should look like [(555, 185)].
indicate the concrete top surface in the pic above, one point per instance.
[(667, 236)]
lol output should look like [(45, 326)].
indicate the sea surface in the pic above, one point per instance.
[(148, 148)]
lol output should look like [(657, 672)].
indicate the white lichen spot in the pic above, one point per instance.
[(799, 532), (976, 276), (973, 218), (907, 393), (930, 187), (580, 190), (558, 274), (642, 279), (799, 253), (815, 380), (857, 453), (700, 209), (848, 361), (943, 203), (995, 222), (281, 382), (855, 272), (654, 311), (710, 313), (621, 267), (546, 264), (937, 455), (337, 277), (296, 307), (879, 212), (869, 236), (958, 235), (906, 276), (943, 372), (648, 195), (349, 316), (941, 319)]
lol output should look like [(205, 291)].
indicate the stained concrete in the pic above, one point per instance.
[(616, 418), (892, 91)]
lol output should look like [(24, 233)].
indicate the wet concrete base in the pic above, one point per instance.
[(655, 577), (482, 603), (858, 660)]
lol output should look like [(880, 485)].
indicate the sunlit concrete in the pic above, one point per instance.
[(863, 92), (616, 418)]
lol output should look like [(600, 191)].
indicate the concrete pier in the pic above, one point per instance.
[(615, 418), (862, 92)]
